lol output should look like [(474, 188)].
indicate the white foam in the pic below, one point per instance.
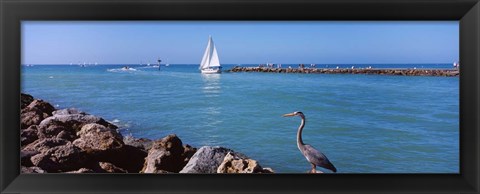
[(122, 70)]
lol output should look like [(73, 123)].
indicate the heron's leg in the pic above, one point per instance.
[(314, 170)]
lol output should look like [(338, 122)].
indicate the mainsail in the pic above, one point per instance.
[(210, 57)]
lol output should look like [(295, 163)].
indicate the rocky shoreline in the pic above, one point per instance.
[(72, 141), (403, 72)]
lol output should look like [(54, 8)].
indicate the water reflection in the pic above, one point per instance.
[(211, 110), (211, 86)]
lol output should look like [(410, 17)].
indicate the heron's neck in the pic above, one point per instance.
[(299, 133)]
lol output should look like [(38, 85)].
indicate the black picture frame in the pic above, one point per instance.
[(12, 12)]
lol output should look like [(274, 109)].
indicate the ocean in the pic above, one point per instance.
[(362, 123)]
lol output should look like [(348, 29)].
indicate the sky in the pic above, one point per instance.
[(240, 42)]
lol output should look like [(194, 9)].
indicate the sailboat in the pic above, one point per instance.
[(210, 62)]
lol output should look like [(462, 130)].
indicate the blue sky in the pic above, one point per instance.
[(240, 42)]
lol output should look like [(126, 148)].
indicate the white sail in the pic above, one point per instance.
[(206, 56), (214, 61), (210, 57)]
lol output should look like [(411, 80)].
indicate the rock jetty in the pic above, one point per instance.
[(72, 141), (403, 72)]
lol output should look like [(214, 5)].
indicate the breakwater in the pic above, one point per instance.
[(402, 72)]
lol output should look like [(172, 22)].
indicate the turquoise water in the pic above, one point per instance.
[(363, 123)]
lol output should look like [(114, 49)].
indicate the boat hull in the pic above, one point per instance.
[(211, 71)]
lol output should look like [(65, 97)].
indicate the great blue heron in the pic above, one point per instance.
[(313, 156)]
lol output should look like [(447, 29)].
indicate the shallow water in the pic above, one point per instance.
[(363, 123)]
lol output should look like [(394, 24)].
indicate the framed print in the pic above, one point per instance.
[(280, 96)]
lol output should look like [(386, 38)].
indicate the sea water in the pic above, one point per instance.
[(363, 123)]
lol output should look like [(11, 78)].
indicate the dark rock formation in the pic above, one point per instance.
[(25, 100), (28, 135), (42, 106), (25, 156), (43, 145), (60, 158), (31, 116)]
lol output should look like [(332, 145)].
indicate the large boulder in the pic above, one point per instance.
[(166, 154), (53, 131), (42, 106), (96, 137), (73, 122), (25, 100), (106, 145), (207, 159), (31, 116), (28, 135), (234, 164), (43, 145), (60, 158)]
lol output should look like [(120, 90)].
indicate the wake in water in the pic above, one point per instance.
[(123, 69)]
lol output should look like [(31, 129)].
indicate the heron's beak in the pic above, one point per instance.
[(289, 115)]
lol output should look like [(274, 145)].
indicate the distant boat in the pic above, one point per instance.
[(210, 62)]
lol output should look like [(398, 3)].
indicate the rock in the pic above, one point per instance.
[(268, 170), (207, 159), (25, 156), (106, 145), (31, 116), (32, 169), (233, 164), (142, 143), (60, 159), (43, 145), (25, 100), (52, 131), (67, 135), (42, 106), (74, 122), (166, 154), (28, 135), (97, 137), (82, 170), (188, 152), (68, 111), (128, 157), (109, 167)]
